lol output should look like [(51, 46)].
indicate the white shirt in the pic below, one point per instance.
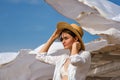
[(77, 69)]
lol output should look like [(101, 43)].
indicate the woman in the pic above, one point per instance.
[(75, 64)]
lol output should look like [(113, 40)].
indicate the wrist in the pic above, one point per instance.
[(74, 51), (52, 38)]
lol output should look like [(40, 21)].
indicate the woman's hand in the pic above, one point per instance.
[(76, 48), (56, 34), (47, 45)]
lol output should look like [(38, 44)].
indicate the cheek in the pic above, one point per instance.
[(69, 42)]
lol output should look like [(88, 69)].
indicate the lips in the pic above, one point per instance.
[(64, 45)]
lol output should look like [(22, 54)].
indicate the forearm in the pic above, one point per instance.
[(46, 46), (82, 58), (54, 36)]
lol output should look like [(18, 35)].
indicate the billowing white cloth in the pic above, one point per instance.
[(100, 17), (105, 8), (72, 8), (25, 67), (7, 57)]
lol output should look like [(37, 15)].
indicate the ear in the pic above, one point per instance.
[(76, 38)]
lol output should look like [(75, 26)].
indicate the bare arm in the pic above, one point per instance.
[(47, 45)]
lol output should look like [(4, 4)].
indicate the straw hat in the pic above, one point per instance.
[(74, 28)]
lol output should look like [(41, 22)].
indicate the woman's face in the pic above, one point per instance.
[(67, 40)]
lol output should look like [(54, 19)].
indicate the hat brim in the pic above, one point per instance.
[(64, 25)]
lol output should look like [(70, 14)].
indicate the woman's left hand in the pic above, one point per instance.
[(76, 47)]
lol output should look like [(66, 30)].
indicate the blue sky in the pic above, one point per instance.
[(26, 24)]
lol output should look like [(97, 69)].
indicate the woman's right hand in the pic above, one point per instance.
[(56, 34)]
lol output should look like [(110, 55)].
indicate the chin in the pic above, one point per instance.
[(66, 47)]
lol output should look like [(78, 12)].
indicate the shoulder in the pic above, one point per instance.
[(85, 53)]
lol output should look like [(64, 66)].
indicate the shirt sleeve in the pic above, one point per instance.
[(81, 58), (45, 58)]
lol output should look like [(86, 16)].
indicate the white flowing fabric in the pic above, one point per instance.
[(25, 67), (7, 57), (100, 17)]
